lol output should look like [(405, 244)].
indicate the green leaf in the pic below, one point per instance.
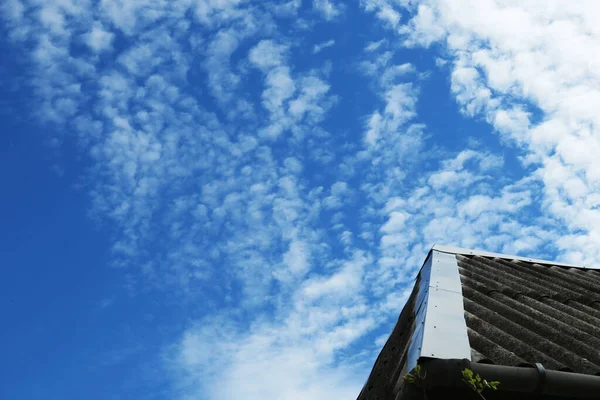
[(476, 382), (467, 374)]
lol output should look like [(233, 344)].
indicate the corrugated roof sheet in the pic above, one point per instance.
[(517, 311)]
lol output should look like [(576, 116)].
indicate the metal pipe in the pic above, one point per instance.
[(535, 379)]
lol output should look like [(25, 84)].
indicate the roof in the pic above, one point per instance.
[(493, 309)]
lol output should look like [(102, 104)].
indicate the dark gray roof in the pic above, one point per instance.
[(516, 311), (521, 312)]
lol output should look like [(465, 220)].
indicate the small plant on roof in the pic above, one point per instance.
[(477, 383), (414, 376), (417, 378), (473, 380)]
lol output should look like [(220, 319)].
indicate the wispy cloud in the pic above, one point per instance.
[(292, 103), (329, 9), (384, 10), (99, 39), (270, 363), (317, 48)]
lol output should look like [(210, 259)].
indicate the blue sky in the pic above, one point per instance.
[(224, 199)]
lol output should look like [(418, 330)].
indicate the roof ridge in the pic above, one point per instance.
[(473, 252)]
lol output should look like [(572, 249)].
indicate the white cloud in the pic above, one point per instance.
[(388, 14), (339, 194), (455, 172), (384, 11), (328, 8), (133, 17), (289, 8), (317, 48), (373, 46), (221, 79), (422, 29), (346, 282), (289, 101), (53, 18), (267, 364), (214, 12), (267, 54), (13, 10), (396, 222), (467, 215), (293, 164), (399, 109), (280, 87), (99, 39), (296, 258)]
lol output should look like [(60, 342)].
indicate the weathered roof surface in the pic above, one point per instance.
[(521, 312), (517, 311)]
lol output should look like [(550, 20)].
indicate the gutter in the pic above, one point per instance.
[(535, 379)]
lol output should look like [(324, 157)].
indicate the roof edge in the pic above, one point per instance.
[(470, 252), (524, 379)]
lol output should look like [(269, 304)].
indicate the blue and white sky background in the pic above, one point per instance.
[(225, 199)]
